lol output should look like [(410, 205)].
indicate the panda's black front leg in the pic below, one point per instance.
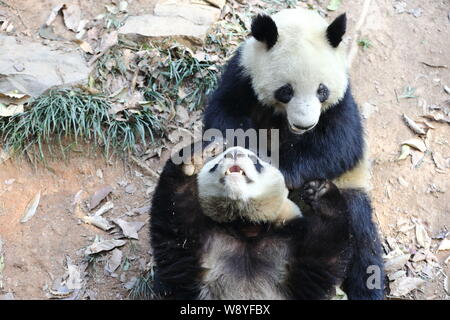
[(322, 253), (176, 225)]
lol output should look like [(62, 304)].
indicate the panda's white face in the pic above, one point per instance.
[(244, 185), (300, 72)]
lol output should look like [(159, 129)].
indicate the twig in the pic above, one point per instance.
[(149, 170), (434, 66), (396, 96)]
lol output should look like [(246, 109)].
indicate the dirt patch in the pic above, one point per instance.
[(35, 252)]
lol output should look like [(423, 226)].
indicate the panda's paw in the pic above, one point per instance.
[(324, 197), (198, 159), (314, 190)]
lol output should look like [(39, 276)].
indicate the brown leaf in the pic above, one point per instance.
[(114, 261), (98, 196), (86, 47), (403, 286), (422, 237), (396, 263), (72, 16), (444, 245), (31, 208), (439, 161), (104, 245), (413, 125), (416, 143), (53, 14), (129, 229)]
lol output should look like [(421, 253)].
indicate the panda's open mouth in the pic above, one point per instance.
[(235, 170)]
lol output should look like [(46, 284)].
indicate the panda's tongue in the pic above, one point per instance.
[(235, 169)]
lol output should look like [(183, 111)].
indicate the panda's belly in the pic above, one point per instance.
[(235, 270)]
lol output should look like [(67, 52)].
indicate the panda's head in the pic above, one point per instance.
[(297, 63), (238, 185)]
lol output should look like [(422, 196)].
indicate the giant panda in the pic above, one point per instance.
[(230, 232), (291, 75)]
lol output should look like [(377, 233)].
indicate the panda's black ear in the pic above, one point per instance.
[(336, 30), (265, 30)]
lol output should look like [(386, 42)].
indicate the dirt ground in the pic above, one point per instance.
[(401, 43)]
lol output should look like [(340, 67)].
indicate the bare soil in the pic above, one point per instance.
[(35, 252)]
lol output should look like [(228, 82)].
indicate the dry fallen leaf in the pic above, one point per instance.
[(86, 47), (74, 281), (445, 245), (422, 237), (72, 16), (97, 221), (104, 245), (129, 229), (439, 161), (11, 110), (105, 208), (438, 117), (31, 208), (396, 263), (403, 286), (416, 143), (98, 196), (114, 261), (53, 14), (413, 125), (405, 152)]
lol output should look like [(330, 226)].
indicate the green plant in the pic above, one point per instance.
[(142, 289), (63, 118), (365, 43), (179, 71)]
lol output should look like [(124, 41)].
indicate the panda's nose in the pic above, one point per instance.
[(235, 154)]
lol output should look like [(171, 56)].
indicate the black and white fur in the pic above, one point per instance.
[(292, 75), (231, 232)]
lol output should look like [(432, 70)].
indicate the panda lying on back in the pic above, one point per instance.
[(230, 232)]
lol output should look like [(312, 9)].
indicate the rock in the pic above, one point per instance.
[(60, 68), (183, 20), (150, 26), (196, 13)]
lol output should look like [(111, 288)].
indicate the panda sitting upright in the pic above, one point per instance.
[(291, 75), (230, 232)]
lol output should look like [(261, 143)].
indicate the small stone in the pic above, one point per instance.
[(402, 182), (131, 188)]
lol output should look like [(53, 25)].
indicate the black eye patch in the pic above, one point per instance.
[(256, 163), (323, 93), (285, 93), (214, 168)]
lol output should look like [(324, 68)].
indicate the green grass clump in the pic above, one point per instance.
[(142, 289), (177, 70), (365, 43), (59, 120)]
